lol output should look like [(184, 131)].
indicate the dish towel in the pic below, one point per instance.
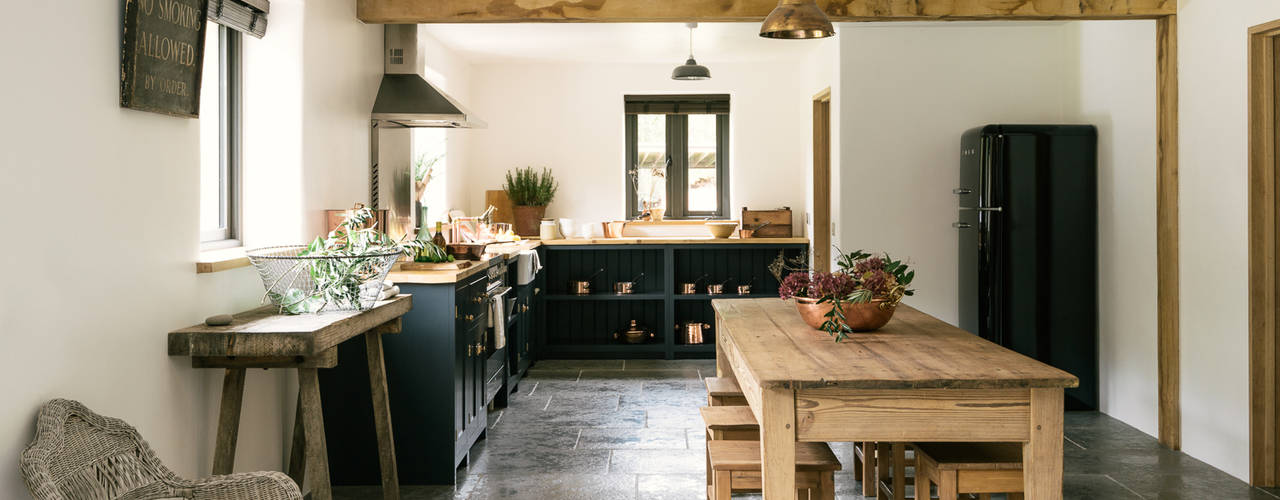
[(498, 320)]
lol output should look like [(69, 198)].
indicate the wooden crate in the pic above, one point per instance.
[(779, 222)]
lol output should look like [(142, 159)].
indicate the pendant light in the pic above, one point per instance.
[(691, 70), (797, 20)]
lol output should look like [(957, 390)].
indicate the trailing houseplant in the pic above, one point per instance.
[(861, 296), (341, 271), (530, 192)]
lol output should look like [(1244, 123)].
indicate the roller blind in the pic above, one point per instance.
[(245, 16), (715, 104)]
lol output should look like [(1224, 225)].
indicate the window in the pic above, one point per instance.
[(220, 138), (678, 155)]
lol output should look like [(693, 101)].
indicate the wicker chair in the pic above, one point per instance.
[(80, 455)]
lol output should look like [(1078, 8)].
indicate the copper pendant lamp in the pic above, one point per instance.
[(797, 20)]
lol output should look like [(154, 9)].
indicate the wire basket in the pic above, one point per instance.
[(309, 284)]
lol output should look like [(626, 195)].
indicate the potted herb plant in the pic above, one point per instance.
[(861, 296), (530, 192)]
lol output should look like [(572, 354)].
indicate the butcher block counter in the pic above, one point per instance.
[(494, 253)]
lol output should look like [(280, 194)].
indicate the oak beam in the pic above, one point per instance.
[(509, 11), (1168, 351)]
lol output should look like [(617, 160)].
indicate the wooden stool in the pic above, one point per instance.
[(724, 392), (963, 468), (736, 467), (728, 422)]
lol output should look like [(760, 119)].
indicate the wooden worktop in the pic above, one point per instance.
[(914, 351), (669, 240), (492, 252)]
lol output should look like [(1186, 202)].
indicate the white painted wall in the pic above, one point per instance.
[(1113, 88), (106, 267), (907, 94), (1213, 191), (569, 117)]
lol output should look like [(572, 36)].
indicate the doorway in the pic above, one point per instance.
[(1264, 250), (822, 227)]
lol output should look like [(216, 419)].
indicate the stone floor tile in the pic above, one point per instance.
[(538, 462), (633, 439), (577, 364), (584, 402), (658, 462), (664, 364), (656, 396), (1094, 487), (671, 486), (571, 418), (558, 486), (675, 417)]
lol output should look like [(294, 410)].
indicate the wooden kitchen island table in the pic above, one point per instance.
[(917, 379), (263, 338)]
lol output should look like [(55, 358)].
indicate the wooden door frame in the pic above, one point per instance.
[(1264, 245), (822, 180), (1164, 12)]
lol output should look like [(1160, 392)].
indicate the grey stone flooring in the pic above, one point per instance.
[(604, 430)]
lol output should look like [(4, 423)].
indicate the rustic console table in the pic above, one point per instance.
[(262, 338)]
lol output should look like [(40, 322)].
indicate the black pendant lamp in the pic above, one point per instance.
[(797, 20), (691, 70)]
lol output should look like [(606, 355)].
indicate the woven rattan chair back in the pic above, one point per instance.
[(80, 455)]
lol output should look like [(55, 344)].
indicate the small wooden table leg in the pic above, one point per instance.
[(778, 443), (224, 455), (948, 485), (1042, 455), (382, 417), (313, 426), (298, 450)]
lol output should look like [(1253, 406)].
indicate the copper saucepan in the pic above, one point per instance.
[(691, 288), (693, 332), (583, 287), (717, 288), (627, 287)]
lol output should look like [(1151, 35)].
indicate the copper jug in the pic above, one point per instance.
[(693, 332)]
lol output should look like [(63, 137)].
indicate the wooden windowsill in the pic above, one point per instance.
[(212, 261)]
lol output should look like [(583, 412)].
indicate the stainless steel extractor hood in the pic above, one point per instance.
[(405, 98)]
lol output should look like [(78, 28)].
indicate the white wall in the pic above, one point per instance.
[(1113, 88), (907, 94), (111, 199), (569, 117), (1213, 191)]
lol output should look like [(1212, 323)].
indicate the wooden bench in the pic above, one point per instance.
[(736, 467), (724, 391), (964, 468), (882, 469)]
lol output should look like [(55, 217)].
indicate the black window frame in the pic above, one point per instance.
[(676, 109), (230, 92)]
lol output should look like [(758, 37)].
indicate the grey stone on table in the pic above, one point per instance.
[(219, 320)]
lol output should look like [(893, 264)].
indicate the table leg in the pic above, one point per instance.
[(382, 417), (869, 480), (224, 455), (1042, 455), (723, 368), (899, 471), (778, 442), (298, 450), (313, 426)]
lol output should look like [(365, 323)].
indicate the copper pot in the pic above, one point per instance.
[(635, 334), (863, 317), (693, 332), (580, 287), (744, 289), (626, 287), (715, 289), (691, 287)]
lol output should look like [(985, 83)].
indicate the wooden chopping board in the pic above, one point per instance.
[(498, 198)]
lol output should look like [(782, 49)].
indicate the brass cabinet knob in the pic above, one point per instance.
[(478, 299), (470, 350), (469, 317)]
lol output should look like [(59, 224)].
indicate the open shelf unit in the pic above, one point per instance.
[(583, 326)]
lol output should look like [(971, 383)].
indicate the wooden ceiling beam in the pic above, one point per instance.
[(510, 11)]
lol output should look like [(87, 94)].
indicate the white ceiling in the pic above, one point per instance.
[(666, 43)]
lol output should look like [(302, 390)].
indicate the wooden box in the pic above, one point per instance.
[(779, 222)]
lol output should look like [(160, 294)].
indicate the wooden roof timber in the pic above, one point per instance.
[(508, 11)]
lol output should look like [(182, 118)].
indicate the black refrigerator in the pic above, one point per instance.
[(1028, 231)]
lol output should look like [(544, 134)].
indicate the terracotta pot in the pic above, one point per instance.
[(527, 219), (860, 317)]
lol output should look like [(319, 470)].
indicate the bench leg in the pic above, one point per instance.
[(869, 487), (899, 471), (721, 485), (313, 427), (857, 464), (298, 450), (922, 485), (382, 416), (948, 485), (826, 487)]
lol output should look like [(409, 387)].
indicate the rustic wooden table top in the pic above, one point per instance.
[(914, 351), (266, 332)]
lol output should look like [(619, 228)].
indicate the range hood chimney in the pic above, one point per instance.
[(405, 99)]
